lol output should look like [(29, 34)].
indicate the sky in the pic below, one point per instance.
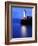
[(19, 12)]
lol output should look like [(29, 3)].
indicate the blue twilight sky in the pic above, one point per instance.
[(19, 12)]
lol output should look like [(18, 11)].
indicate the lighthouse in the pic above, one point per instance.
[(23, 25)]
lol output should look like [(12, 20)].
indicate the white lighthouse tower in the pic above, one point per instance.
[(24, 14)]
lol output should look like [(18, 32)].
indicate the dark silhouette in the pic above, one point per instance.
[(27, 21)]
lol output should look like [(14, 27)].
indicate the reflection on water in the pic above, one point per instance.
[(19, 31), (23, 31)]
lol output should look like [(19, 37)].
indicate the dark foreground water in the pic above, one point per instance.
[(16, 29)]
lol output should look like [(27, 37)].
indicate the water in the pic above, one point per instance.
[(16, 29)]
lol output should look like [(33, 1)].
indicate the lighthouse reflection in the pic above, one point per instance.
[(23, 31)]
